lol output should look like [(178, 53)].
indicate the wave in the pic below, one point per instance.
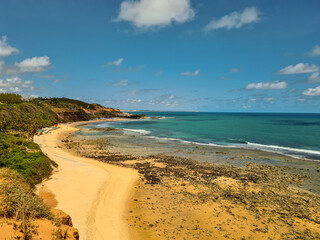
[(233, 143), (140, 131), (292, 152), (284, 149), (188, 142), (161, 117)]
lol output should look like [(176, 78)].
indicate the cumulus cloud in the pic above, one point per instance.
[(267, 85), (149, 14), (193, 74), (5, 49), (167, 100), (235, 19), (15, 84), (116, 62), (314, 77), (315, 51), (121, 83), (312, 92), (35, 64), (299, 68)]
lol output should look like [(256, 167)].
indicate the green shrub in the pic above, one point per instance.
[(24, 157), (18, 199), (10, 98), (26, 117)]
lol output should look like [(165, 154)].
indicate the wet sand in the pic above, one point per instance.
[(94, 194)]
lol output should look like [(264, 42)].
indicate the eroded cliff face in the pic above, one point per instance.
[(77, 112)]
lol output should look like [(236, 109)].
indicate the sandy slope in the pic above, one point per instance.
[(94, 194)]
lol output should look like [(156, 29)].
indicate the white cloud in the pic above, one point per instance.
[(129, 69), (299, 68), (122, 83), (155, 13), (193, 74), (136, 69), (234, 70), (267, 85), (235, 19), (270, 100), (314, 77), (315, 51), (244, 106), (5, 49), (312, 91), (48, 76), (160, 72), (35, 64), (116, 62), (15, 84), (137, 92)]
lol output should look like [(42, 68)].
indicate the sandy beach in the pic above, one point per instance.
[(94, 194)]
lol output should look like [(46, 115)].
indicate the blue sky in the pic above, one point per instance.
[(205, 55)]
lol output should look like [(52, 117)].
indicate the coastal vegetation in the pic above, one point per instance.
[(24, 157)]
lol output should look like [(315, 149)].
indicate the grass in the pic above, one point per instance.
[(18, 202)]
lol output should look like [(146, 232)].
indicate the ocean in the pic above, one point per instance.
[(296, 135)]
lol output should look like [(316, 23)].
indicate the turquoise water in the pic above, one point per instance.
[(296, 135)]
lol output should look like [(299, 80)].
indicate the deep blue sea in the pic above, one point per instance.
[(296, 135)]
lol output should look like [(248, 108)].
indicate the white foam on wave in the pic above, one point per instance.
[(165, 117), (292, 152), (189, 142), (140, 131), (277, 148)]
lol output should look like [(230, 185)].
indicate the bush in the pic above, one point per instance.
[(24, 157), (25, 117), (10, 98), (20, 203), (18, 199)]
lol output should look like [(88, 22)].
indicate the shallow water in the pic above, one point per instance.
[(138, 143), (292, 134)]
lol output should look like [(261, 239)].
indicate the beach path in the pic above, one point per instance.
[(93, 193)]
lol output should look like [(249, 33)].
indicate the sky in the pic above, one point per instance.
[(168, 55)]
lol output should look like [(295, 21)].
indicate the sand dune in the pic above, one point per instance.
[(94, 194)]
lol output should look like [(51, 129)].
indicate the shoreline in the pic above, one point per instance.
[(94, 194), (289, 152)]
